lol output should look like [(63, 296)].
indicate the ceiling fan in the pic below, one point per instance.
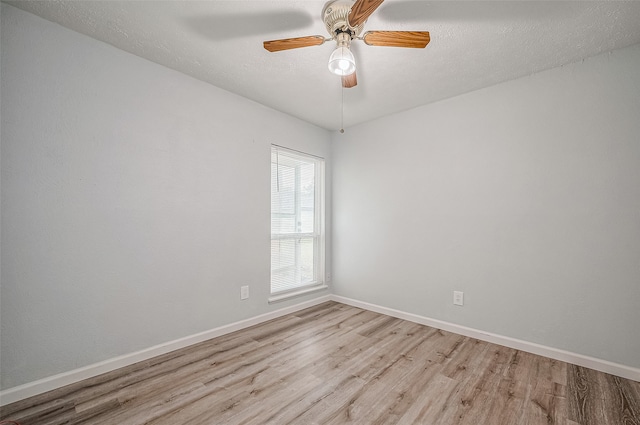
[(345, 21)]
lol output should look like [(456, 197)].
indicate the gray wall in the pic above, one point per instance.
[(524, 195), (135, 201)]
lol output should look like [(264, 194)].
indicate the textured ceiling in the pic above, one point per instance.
[(474, 44)]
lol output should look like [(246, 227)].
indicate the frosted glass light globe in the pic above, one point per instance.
[(342, 62)]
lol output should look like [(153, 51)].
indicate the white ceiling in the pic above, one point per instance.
[(474, 44)]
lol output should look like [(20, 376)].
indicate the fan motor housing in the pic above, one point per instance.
[(335, 17)]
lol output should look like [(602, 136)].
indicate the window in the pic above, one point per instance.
[(297, 257)]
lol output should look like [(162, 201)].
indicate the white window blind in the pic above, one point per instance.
[(296, 220)]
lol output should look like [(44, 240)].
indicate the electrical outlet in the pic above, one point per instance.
[(244, 292), (328, 277), (458, 298)]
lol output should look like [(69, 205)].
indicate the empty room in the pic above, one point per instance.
[(311, 212)]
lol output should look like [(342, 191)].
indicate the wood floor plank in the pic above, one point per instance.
[(322, 399), (409, 389), (475, 398), (620, 400), (360, 318), (544, 407), (337, 364), (585, 396), (143, 394), (375, 396), (433, 403), (470, 353), (421, 370)]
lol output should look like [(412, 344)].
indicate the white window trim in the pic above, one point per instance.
[(320, 192), (297, 293)]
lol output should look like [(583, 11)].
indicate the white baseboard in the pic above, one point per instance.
[(47, 384), (30, 389), (530, 347)]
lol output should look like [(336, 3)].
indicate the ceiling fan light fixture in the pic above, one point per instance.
[(342, 62), (344, 21)]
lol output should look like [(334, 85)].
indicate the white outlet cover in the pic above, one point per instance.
[(458, 298), (244, 292)]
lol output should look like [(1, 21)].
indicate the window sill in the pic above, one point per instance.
[(293, 294)]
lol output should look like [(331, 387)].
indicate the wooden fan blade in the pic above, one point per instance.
[(361, 10), (350, 80), (416, 39), (293, 43)]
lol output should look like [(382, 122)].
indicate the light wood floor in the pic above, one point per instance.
[(336, 364)]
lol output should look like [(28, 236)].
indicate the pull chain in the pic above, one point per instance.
[(342, 109)]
